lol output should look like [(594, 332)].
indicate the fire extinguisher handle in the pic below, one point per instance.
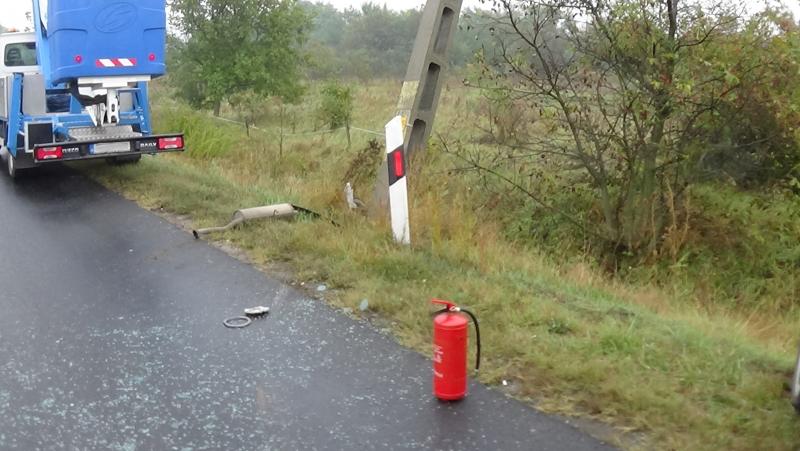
[(449, 305)]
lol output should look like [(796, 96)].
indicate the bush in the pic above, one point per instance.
[(205, 137), (753, 137), (336, 108)]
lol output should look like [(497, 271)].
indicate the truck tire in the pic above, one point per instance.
[(796, 385), (128, 159), (19, 165), (12, 168)]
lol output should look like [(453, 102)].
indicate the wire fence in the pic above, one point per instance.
[(308, 133)]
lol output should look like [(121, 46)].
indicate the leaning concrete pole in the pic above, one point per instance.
[(419, 98), (422, 87)]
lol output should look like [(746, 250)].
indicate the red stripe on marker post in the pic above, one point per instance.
[(399, 169), (397, 166)]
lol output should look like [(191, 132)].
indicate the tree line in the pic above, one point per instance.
[(222, 48), (373, 41)]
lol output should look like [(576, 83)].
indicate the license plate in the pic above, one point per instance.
[(118, 147)]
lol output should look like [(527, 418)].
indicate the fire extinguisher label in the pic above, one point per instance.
[(438, 354)]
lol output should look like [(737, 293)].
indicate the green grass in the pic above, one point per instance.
[(200, 130), (685, 375)]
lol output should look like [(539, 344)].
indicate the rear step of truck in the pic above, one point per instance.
[(100, 133)]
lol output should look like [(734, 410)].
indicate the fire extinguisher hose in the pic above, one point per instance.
[(477, 338)]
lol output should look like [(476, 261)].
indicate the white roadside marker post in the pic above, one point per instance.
[(398, 185)]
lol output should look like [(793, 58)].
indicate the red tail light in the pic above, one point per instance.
[(170, 143), (49, 153)]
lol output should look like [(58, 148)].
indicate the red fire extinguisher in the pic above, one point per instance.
[(450, 351)]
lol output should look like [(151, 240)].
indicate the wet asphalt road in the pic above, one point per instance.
[(111, 338)]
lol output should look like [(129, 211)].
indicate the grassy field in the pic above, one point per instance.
[(680, 365)]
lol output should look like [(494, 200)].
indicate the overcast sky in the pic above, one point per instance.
[(12, 12)]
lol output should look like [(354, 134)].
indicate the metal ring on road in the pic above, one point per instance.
[(238, 322)]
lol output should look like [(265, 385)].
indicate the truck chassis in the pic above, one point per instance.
[(85, 118)]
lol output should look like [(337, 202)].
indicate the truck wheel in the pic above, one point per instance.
[(128, 159), (796, 385), (19, 165), (12, 166)]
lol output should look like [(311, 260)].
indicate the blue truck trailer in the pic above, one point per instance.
[(76, 88)]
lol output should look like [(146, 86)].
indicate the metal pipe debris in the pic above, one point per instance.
[(249, 214)]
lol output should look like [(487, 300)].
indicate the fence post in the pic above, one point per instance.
[(398, 184)]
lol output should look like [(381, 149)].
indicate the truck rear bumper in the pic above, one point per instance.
[(107, 148)]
